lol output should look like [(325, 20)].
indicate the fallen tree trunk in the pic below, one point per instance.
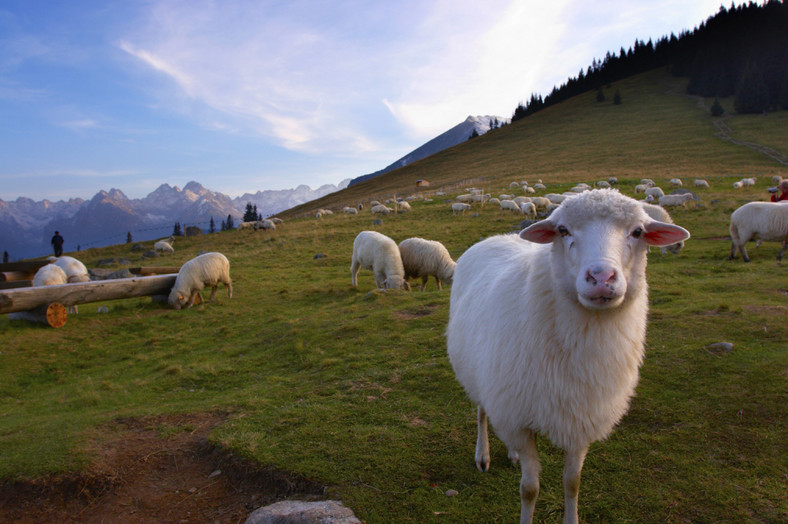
[(25, 299), (53, 314), (154, 270), (14, 271)]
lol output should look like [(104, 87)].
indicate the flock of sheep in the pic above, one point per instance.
[(560, 354)]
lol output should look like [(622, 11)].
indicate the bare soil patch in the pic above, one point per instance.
[(155, 470)]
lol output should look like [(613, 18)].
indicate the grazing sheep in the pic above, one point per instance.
[(506, 197), (51, 275), (612, 180), (460, 207), (164, 246), (424, 258), (776, 179), (558, 353), (276, 220), (466, 197), (655, 192), (738, 185), (699, 182), (555, 198), (675, 182), (243, 226), (647, 182), (512, 185), (528, 209), (541, 203), (510, 205), (265, 224), (659, 214), (521, 199), (765, 221), (539, 185), (74, 269), (602, 183), (350, 210), (494, 200), (748, 182), (403, 207), (375, 251), (675, 200), (374, 203), (641, 188), (319, 214), (529, 190), (208, 269), (380, 209)]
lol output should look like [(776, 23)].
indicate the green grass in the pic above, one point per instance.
[(352, 387)]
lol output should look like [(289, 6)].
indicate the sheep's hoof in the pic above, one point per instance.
[(483, 465)]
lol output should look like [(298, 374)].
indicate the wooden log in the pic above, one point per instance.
[(154, 270), (12, 276), (25, 299), (27, 266), (53, 314)]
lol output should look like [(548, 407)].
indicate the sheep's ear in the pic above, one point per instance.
[(541, 232), (663, 234)]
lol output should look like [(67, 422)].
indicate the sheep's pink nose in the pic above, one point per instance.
[(600, 276)]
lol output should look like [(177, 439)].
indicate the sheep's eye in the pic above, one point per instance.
[(563, 231), (638, 232)]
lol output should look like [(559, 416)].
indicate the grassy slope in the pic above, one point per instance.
[(352, 387)]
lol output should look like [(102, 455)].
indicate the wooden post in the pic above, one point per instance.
[(25, 299)]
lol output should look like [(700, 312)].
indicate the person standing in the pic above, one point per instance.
[(57, 243)]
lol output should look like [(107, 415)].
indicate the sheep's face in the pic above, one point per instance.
[(177, 300), (599, 247), (395, 282)]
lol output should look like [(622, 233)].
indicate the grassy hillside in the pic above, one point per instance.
[(352, 387), (657, 130)]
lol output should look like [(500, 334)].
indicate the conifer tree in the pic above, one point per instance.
[(230, 224), (250, 214), (212, 226), (716, 108), (176, 231)]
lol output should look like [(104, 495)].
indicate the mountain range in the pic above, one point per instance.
[(26, 226)]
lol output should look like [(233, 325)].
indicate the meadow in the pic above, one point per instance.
[(351, 388)]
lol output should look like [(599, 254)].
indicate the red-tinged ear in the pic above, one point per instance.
[(541, 233), (662, 234)]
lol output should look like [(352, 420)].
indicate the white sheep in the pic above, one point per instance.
[(521, 199), (265, 224), (541, 203), (738, 185), (460, 207), (647, 182), (424, 258), (655, 192), (602, 183), (529, 190), (510, 205), (208, 269), (164, 246), (699, 182), (675, 182), (403, 207), (659, 214), (558, 353), (74, 269), (350, 210), (51, 275), (376, 251), (528, 209), (380, 209), (465, 197), (675, 200), (776, 179), (243, 226), (539, 185), (748, 182), (495, 200), (765, 221), (641, 188)]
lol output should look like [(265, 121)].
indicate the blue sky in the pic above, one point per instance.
[(248, 95)]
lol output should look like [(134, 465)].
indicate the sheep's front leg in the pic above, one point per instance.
[(529, 481), (482, 441), (213, 293), (573, 463)]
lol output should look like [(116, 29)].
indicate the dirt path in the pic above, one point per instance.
[(724, 132), (154, 470)]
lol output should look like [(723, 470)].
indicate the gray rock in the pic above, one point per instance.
[(137, 247), (107, 262), (150, 254), (120, 273), (319, 255), (299, 512), (377, 222), (720, 348)]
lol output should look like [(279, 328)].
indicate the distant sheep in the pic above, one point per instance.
[(655, 192), (379, 253), (765, 221), (164, 246), (350, 210), (675, 182), (74, 269), (539, 186), (494, 200), (699, 182), (403, 207), (51, 275), (602, 183), (265, 224), (209, 269), (244, 226), (510, 205), (465, 197), (641, 188), (460, 207), (380, 209), (528, 209), (541, 203), (748, 182), (675, 200), (546, 331), (424, 258)]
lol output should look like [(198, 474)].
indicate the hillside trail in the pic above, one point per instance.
[(154, 470), (723, 132)]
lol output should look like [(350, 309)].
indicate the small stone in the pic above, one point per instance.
[(102, 309), (452, 492), (215, 474), (720, 348)]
